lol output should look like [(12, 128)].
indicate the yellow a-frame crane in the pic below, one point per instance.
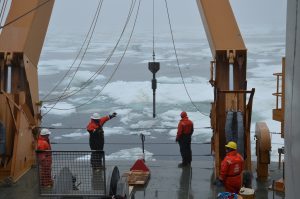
[(20, 46), (21, 41), (228, 77)]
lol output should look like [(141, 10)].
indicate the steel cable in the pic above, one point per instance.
[(117, 67), (93, 24), (139, 129), (3, 10), (25, 14), (153, 20), (177, 60), (132, 143), (102, 67)]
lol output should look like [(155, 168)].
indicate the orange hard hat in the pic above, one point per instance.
[(183, 114)]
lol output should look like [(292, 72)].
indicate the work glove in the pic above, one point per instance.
[(218, 183), (114, 114)]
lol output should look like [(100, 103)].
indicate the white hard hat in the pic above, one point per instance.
[(45, 132), (95, 116)]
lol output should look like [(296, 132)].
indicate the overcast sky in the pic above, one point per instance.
[(77, 14)]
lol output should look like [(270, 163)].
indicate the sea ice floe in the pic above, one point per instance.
[(143, 124), (68, 109), (141, 92), (124, 154), (81, 77), (76, 134), (115, 131), (130, 154), (56, 124), (147, 133)]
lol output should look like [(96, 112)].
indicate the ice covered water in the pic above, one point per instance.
[(129, 91)]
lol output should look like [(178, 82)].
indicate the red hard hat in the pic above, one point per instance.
[(183, 114)]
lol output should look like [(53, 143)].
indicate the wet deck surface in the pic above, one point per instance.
[(166, 181)]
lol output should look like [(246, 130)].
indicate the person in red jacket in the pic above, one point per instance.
[(184, 136), (45, 158), (231, 169), (96, 140)]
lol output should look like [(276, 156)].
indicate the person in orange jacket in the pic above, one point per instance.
[(96, 140), (183, 137), (231, 169), (45, 158)]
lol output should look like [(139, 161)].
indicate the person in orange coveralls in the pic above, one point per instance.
[(184, 134), (231, 169), (45, 158), (96, 141)]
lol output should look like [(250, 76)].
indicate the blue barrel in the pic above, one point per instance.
[(2, 139)]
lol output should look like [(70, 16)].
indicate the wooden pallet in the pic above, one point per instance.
[(137, 177), (278, 185)]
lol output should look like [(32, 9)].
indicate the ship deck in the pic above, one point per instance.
[(166, 181)]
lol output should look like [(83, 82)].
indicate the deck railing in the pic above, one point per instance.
[(71, 173), (278, 93)]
